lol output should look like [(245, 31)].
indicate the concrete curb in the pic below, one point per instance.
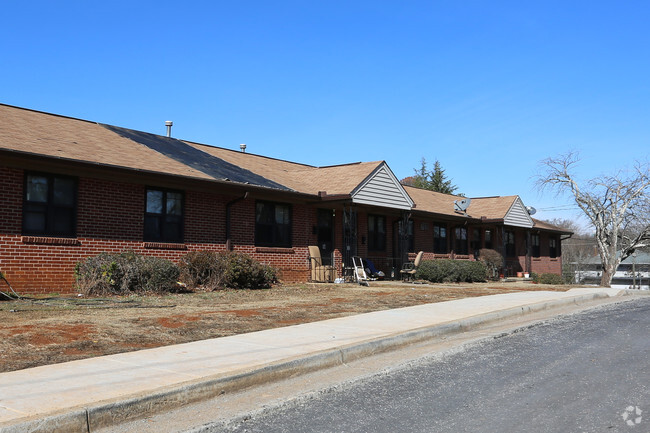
[(107, 413)]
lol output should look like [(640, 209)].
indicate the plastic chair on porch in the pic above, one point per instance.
[(409, 269), (319, 272), (359, 271)]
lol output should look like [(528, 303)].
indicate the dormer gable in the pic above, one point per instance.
[(381, 188), (518, 215)]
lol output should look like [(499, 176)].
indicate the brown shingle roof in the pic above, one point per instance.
[(546, 226), (338, 179), (40, 133), (433, 202), (443, 204), (491, 207)]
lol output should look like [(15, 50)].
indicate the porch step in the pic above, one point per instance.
[(517, 280)]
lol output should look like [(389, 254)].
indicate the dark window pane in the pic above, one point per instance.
[(34, 222), (265, 234), (154, 201), (174, 203), (460, 236), (172, 232), (164, 216), (63, 223), (552, 248), (535, 245), (439, 239), (281, 214), (37, 189), (273, 224), (151, 227), (49, 206), (63, 192), (264, 213)]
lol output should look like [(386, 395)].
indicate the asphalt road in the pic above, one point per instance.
[(587, 372)]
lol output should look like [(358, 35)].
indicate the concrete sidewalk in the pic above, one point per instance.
[(84, 395)]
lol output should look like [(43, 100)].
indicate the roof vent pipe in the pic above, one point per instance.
[(242, 147), (168, 124)]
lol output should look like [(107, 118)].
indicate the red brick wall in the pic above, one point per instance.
[(423, 232), (110, 218), (540, 265), (545, 264)]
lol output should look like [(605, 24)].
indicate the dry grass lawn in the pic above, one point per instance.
[(43, 331)]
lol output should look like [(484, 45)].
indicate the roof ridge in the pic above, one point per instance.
[(48, 113), (346, 164), (247, 153), (434, 192)]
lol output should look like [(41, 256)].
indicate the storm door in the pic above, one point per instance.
[(349, 235), (325, 235), (403, 240)]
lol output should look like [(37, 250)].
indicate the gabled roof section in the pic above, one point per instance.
[(510, 209), (383, 189), (434, 202), (491, 207), (184, 153), (334, 180), (36, 133), (518, 215)]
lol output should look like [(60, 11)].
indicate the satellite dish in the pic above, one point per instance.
[(531, 210), (462, 205)]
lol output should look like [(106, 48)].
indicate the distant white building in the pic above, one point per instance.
[(632, 273)]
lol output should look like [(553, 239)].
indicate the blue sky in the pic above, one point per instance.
[(488, 88)]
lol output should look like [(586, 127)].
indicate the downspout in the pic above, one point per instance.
[(529, 248), (561, 249), (503, 250), (229, 245)]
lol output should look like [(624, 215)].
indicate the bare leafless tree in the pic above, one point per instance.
[(615, 205)]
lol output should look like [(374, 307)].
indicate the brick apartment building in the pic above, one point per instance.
[(71, 188)]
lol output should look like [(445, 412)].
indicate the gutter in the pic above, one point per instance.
[(23, 159)]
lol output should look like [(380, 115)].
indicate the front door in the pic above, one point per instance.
[(349, 235), (403, 240), (325, 234)]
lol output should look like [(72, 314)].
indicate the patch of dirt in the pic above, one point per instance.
[(44, 331)]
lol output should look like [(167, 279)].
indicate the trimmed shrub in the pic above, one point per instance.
[(120, 274), (216, 270), (492, 259), (430, 270), (551, 279), (244, 272), (452, 271), (205, 269)]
